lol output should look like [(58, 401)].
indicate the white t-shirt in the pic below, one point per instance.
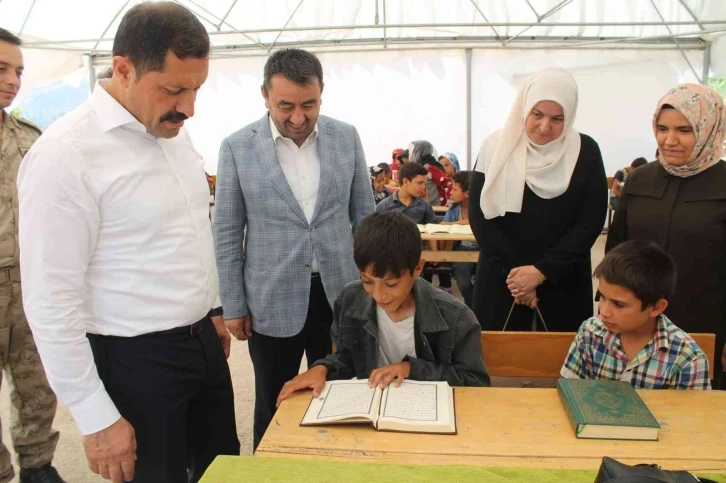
[(395, 339)]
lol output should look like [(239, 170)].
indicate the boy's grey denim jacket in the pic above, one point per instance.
[(447, 334)]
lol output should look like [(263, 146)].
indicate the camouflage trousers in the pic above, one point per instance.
[(33, 401)]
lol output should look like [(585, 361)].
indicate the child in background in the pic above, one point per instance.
[(631, 339), (390, 185), (408, 199), (378, 178), (450, 163), (458, 214)]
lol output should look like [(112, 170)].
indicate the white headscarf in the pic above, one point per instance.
[(509, 159)]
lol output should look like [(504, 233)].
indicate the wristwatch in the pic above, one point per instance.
[(215, 312)]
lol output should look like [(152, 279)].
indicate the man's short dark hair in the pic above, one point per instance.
[(149, 30), (384, 166), (389, 242), (7, 36), (300, 66), (638, 162), (641, 267), (410, 170), (463, 178)]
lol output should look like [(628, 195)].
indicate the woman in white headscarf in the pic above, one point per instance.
[(538, 199)]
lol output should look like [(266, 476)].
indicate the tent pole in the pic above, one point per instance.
[(706, 64), (385, 32), (469, 164), (22, 27), (476, 6), (690, 12), (675, 39), (91, 72), (284, 26)]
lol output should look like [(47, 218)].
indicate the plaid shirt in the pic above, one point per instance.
[(671, 360)]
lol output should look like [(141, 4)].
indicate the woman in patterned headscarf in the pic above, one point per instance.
[(450, 163), (679, 202)]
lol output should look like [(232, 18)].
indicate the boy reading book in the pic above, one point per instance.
[(392, 325), (631, 339)]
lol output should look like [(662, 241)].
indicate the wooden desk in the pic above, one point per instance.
[(510, 427), (440, 210), (449, 255), (447, 237)]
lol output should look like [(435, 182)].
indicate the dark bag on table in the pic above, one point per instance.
[(612, 471)]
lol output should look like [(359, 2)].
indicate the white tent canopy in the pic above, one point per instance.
[(442, 70)]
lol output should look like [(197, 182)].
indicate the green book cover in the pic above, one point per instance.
[(605, 403)]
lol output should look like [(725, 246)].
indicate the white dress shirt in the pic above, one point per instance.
[(115, 239), (301, 166)]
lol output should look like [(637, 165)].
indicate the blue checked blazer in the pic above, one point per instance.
[(266, 273)]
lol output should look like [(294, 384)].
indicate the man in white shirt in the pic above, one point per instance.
[(120, 283), (296, 185)]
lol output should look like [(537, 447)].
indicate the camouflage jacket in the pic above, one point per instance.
[(16, 138)]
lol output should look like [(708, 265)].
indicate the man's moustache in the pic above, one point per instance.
[(176, 116)]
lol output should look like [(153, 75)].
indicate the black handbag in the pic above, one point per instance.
[(535, 313), (612, 471)]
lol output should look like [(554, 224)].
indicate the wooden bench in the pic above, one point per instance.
[(541, 354)]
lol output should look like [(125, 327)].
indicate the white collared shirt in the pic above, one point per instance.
[(115, 239), (301, 166)]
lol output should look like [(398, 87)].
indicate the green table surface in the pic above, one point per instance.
[(243, 469)]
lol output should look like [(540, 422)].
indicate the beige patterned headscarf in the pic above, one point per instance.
[(704, 109)]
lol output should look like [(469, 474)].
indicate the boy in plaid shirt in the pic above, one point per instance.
[(631, 339)]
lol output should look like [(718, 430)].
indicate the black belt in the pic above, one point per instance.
[(192, 330)]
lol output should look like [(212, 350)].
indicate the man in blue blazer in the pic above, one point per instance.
[(291, 191)]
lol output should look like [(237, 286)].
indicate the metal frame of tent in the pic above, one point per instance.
[(681, 41)]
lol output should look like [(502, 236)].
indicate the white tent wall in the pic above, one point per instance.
[(391, 97), (396, 97), (43, 67), (618, 93)]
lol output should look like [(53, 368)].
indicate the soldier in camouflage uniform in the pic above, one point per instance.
[(33, 401)]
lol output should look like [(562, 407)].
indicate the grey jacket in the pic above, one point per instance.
[(448, 338), (268, 277)]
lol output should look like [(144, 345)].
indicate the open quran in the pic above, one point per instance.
[(435, 228), (414, 406)]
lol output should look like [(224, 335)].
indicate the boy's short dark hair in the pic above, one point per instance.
[(384, 166), (389, 242), (300, 66), (7, 36), (410, 170), (638, 162), (641, 267), (463, 178), (149, 30)]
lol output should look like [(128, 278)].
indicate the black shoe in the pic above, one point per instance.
[(44, 474)]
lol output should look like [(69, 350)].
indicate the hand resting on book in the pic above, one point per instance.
[(311, 379), (315, 379), (383, 376)]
